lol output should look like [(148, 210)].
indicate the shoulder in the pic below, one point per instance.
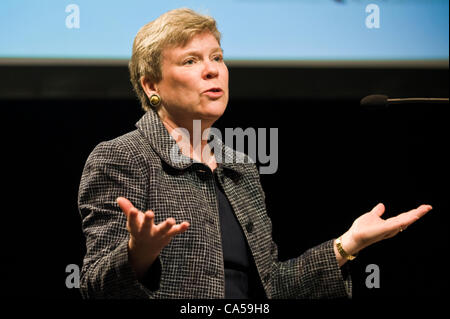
[(131, 148), (128, 145)]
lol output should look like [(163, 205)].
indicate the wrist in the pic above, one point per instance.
[(349, 245), (340, 252), (139, 259)]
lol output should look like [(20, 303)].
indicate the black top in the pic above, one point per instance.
[(241, 278)]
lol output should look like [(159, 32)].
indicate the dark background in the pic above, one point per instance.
[(336, 161)]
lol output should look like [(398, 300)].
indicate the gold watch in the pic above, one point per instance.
[(341, 250)]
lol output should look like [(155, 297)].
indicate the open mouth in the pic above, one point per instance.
[(214, 90)]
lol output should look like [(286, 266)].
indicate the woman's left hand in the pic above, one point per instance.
[(371, 228)]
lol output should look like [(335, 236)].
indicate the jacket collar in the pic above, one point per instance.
[(151, 126)]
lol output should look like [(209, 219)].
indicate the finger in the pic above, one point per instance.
[(393, 228), (178, 229), (406, 219), (414, 215), (125, 205), (422, 210), (148, 222), (402, 221), (133, 221), (378, 209), (165, 225)]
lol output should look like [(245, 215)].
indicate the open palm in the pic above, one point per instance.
[(371, 228)]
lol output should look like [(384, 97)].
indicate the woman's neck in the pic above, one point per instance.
[(191, 137)]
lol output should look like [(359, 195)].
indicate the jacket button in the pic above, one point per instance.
[(235, 177), (266, 278), (249, 227), (203, 174)]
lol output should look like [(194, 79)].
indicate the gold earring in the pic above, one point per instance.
[(155, 100)]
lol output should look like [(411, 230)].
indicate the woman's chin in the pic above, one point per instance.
[(212, 111)]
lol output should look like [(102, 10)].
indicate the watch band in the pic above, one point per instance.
[(341, 250)]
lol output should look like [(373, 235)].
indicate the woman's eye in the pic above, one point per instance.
[(189, 61), (218, 58)]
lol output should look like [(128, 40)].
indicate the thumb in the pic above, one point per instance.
[(125, 205), (378, 209)]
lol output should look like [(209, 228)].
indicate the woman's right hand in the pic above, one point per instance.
[(147, 239)]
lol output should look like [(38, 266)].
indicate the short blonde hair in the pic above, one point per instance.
[(172, 29)]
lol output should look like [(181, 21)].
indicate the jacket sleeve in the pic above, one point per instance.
[(110, 172), (313, 275)]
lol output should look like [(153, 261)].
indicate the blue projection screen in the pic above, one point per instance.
[(272, 32)]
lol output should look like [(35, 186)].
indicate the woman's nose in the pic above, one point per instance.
[(211, 70)]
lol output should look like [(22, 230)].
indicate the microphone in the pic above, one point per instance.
[(378, 101)]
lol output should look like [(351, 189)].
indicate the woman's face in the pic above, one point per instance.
[(194, 81)]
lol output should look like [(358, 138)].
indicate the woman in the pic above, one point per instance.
[(134, 190)]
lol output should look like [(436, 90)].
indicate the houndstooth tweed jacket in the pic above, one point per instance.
[(139, 166)]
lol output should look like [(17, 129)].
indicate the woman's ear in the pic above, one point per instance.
[(148, 86)]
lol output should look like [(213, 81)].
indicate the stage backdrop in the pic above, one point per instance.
[(254, 32)]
